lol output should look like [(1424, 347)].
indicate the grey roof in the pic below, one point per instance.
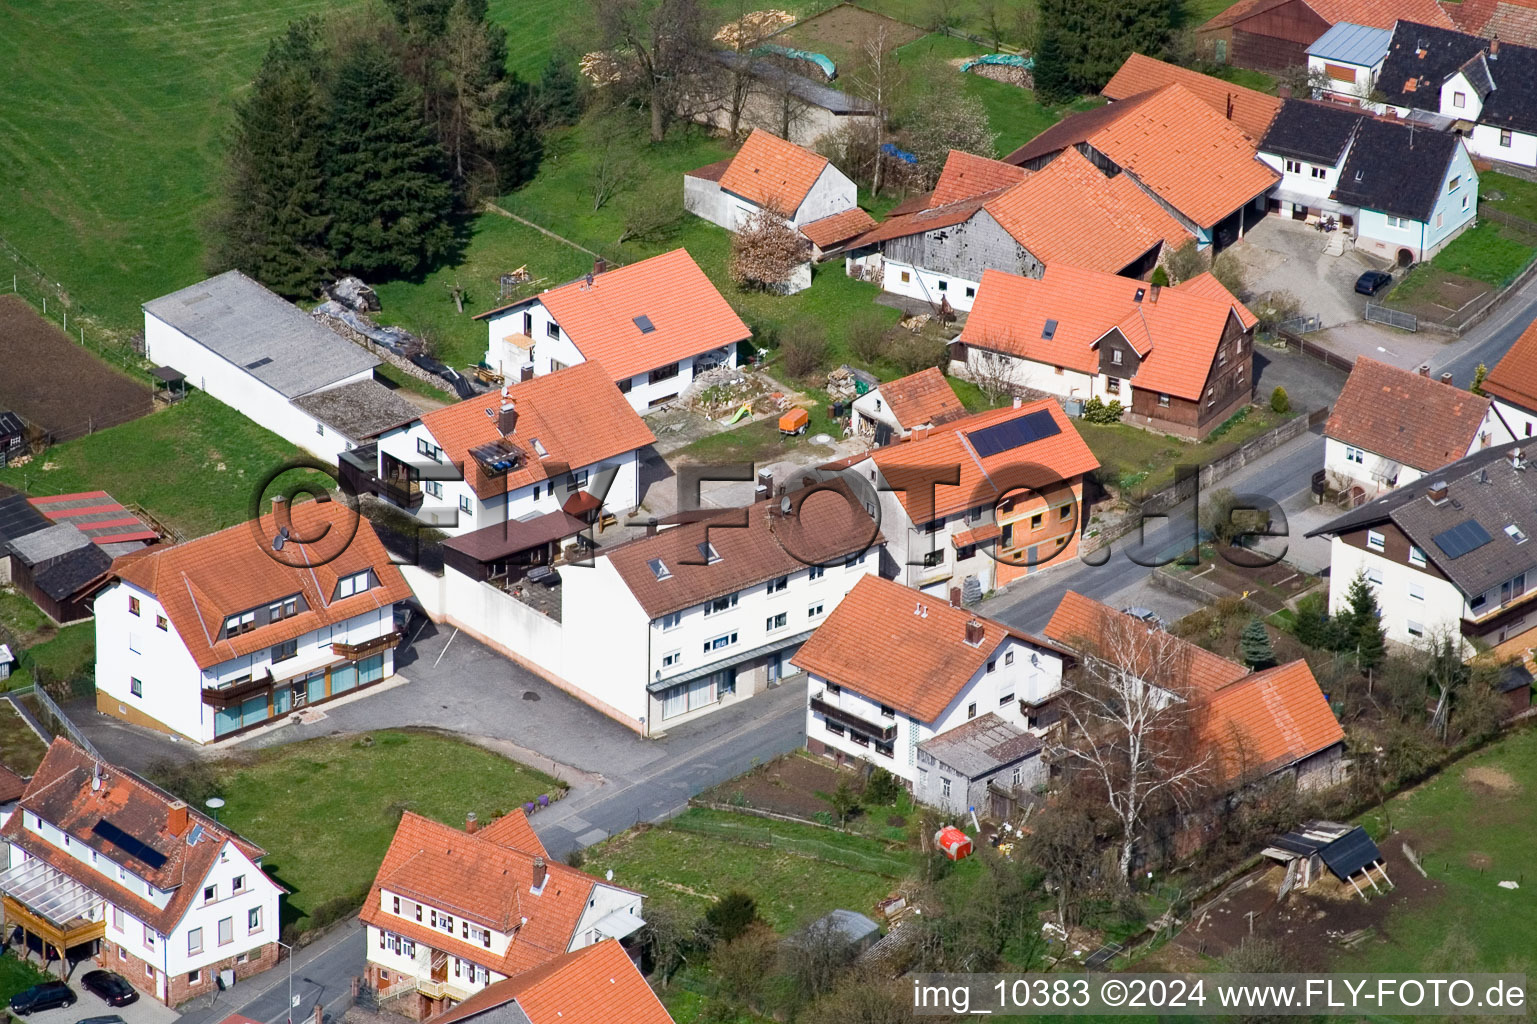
[(982, 746), (64, 577), (10, 423), (1485, 488), (49, 542), (1352, 44), (851, 924), (814, 93), (17, 516), (360, 410), (264, 334), (1426, 56), (1396, 168), (1316, 132)]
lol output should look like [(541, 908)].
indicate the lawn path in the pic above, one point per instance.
[(493, 208)]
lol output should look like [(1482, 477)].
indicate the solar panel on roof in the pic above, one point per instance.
[(1462, 538), (1015, 433), (1350, 853), (258, 364), (135, 848)]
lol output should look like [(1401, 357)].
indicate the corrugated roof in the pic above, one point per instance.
[(97, 515), (261, 333), (982, 745), (1347, 43), (1415, 421), (358, 411)]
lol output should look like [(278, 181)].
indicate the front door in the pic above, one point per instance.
[(1031, 554)]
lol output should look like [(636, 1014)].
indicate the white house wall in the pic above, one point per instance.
[(925, 285), (831, 193), (1302, 181), (1522, 422), (1485, 142), (1357, 89), (607, 639), (1438, 611)]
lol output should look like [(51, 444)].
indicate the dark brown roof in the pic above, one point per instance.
[(755, 544), (11, 785)]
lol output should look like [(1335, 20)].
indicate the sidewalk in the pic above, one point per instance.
[(320, 974)]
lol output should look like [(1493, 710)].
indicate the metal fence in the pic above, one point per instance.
[(54, 720), (1392, 317), (1301, 324)]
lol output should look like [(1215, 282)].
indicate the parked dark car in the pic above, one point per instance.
[(1373, 281), (112, 987), (110, 1018), (47, 996)]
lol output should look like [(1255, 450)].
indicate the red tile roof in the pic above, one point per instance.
[(576, 414), (11, 785), (840, 227), (773, 173), (1514, 377), (1177, 331), (909, 467), (896, 646), (1512, 23), (925, 397), (481, 880), (710, 172), (966, 175), (1071, 212), (689, 315), (1193, 158), (1252, 111), (1415, 421), (1179, 666), (513, 830), (202, 582), (597, 984), (825, 524), (60, 793), (1372, 13), (1072, 130), (1267, 721)]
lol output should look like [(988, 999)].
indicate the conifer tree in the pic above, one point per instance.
[(1254, 645), (1365, 624), (559, 93)]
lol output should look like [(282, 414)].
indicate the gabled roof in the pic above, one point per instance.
[(1267, 721), (1422, 57), (1069, 211), (922, 398), (482, 880), (773, 173), (828, 232), (1396, 168), (966, 175), (261, 333), (513, 830), (596, 984), (1249, 109), (981, 746), (824, 525), (202, 582), (359, 411), (1485, 488), (1312, 131), (1413, 420), (929, 219), (1073, 129), (18, 517), (1347, 43), (1512, 21), (576, 414), (1513, 379), (688, 315), (97, 515), (125, 809), (1187, 154), (896, 646), (1376, 13), (1047, 450), (1176, 329), (1181, 667), (11, 785)]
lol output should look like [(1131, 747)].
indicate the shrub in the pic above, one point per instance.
[(732, 915), (1229, 273), (1186, 262), (882, 788), (1280, 402), (867, 340), (576, 858), (804, 348), (1160, 277), (914, 352), (1097, 411)]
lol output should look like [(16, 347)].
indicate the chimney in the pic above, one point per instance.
[(1494, 48), (176, 818), (955, 597), (919, 433), (1446, 378), (1152, 294), (1018, 401), (1436, 492), (1229, 106), (974, 633), (1282, 90), (279, 503), (540, 871), (507, 418), (471, 823), (1424, 370), (599, 265)]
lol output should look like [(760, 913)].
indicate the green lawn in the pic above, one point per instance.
[(15, 976), (1143, 461), (703, 854), (20, 749), (325, 810), (196, 466), (63, 653), (1517, 195), (1473, 828), (1487, 252)]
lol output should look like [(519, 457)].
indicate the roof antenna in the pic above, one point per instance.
[(96, 777)]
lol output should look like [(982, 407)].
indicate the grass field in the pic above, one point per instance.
[(702, 854), (20, 748), (15, 976), (196, 466), (1473, 828), (1143, 461), (325, 810), (1516, 195), (1487, 252), (63, 653)]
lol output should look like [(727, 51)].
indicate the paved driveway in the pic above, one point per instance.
[(1288, 255), (143, 1011)]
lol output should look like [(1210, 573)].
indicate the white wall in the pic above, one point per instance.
[(238, 389), (831, 193), (259, 893), (1485, 141), (1365, 78), (1377, 474), (1302, 179), (925, 285), (605, 900), (1522, 423), (1028, 373), (1456, 87), (1438, 610)]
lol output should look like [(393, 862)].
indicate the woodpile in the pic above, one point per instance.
[(752, 28)]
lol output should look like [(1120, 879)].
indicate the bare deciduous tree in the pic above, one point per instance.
[(664, 43), (878, 78), (766, 250), (1132, 717), (1067, 841), (992, 372), (946, 118), (814, 957), (613, 164)]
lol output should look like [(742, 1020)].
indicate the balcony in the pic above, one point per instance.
[(883, 733), (451, 988), (353, 652), (234, 693)]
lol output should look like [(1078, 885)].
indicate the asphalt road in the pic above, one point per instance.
[(321, 975)]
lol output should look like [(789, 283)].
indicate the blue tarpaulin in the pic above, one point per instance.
[(1006, 59), (821, 60), (903, 155)]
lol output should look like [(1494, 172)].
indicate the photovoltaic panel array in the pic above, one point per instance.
[(1462, 538), (134, 847), (1015, 433)]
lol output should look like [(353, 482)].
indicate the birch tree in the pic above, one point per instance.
[(878, 78)]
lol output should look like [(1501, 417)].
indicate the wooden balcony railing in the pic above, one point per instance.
[(884, 733), (367, 647)]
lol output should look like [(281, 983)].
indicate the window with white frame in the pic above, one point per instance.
[(226, 930), (1416, 556), (720, 642), (434, 488), (1414, 628), (1395, 222), (815, 611), (1355, 455), (671, 658), (194, 941), (686, 697), (1416, 592), (1320, 172), (672, 620), (1293, 167), (466, 505), (253, 919), (1375, 540), (816, 572), (1374, 576), (719, 604), (944, 785), (779, 585), (427, 448), (779, 621), (353, 584)]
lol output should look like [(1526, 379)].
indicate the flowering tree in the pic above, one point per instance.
[(766, 250)]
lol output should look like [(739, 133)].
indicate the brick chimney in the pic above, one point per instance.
[(1494, 47), (974, 633), (471, 823), (1152, 294), (1436, 492), (1424, 370), (176, 818), (1446, 378), (955, 597), (919, 433), (540, 873), (599, 265), (507, 417)]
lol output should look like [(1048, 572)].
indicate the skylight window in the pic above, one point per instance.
[(645, 324), (1049, 330), (539, 448), (1514, 533), (708, 553), (659, 569)]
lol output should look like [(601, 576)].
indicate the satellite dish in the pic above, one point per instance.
[(785, 505), (609, 874)]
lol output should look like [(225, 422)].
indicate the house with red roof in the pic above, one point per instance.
[(106, 867), (653, 325), (597, 984), (1391, 427), (552, 453), (990, 215), (1512, 383), (896, 408), (977, 502), (1178, 359), (454, 913), (213, 636), (1273, 35), (768, 173), (953, 704)]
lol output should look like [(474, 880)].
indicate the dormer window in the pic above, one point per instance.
[(1515, 534), (347, 586), (238, 624), (286, 608), (708, 553), (659, 569)]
